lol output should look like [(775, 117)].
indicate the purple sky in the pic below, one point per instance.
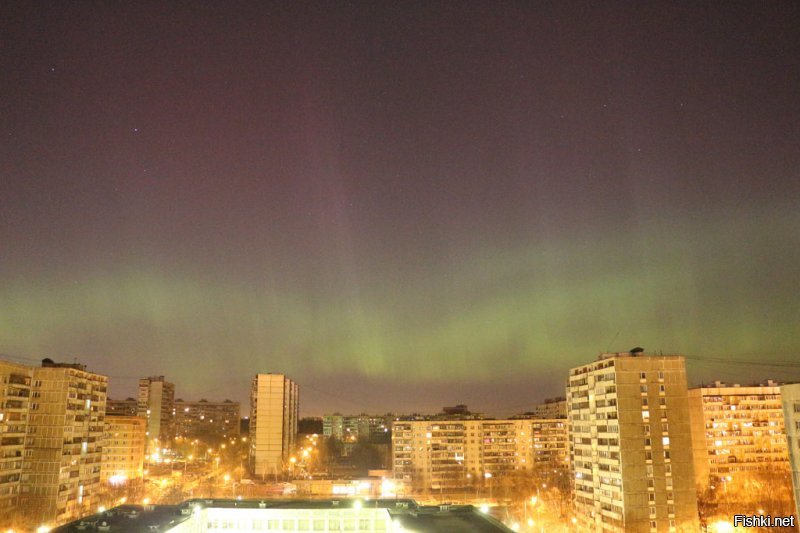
[(401, 205)]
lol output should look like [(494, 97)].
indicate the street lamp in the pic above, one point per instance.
[(722, 527)]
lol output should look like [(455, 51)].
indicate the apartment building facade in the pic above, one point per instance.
[(60, 477), (352, 428), (205, 419), (790, 402), (156, 403), (449, 454), (15, 392), (126, 407), (737, 432), (630, 444), (125, 440), (550, 408), (274, 413)]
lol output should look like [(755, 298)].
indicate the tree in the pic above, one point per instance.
[(365, 456)]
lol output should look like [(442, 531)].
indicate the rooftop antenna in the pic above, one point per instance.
[(612, 342)]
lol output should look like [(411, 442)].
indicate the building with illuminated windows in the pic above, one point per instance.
[(790, 400), (15, 392), (123, 449), (126, 407), (156, 403), (204, 419), (349, 429), (61, 468), (550, 408), (448, 454), (630, 447), (274, 412), (737, 432)]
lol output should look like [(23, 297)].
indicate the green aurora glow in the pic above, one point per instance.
[(490, 317)]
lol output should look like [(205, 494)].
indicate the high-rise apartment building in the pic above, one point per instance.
[(550, 408), (548, 443), (274, 412), (347, 428), (448, 454), (630, 444), (204, 419), (15, 392), (737, 432), (790, 399), (350, 428), (123, 449), (126, 407), (156, 403), (61, 467)]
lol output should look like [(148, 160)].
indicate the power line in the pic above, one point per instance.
[(728, 361)]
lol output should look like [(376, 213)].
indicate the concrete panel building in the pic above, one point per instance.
[(126, 407), (630, 447), (550, 408), (15, 392), (156, 402), (737, 432), (123, 450), (205, 419), (790, 399), (449, 454), (274, 412), (61, 468)]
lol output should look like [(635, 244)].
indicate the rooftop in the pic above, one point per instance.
[(404, 513)]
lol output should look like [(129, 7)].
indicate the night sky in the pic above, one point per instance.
[(400, 205)]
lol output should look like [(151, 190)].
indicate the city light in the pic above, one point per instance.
[(118, 479), (388, 488), (722, 526)]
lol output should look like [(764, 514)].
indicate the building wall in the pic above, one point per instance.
[(630, 448), (274, 412), (790, 399), (15, 391), (156, 403), (347, 428), (351, 428), (123, 450), (207, 419), (550, 409), (126, 407), (737, 431), (61, 468), (439, 454)]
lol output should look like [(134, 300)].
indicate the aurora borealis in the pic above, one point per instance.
[(401, 206)]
